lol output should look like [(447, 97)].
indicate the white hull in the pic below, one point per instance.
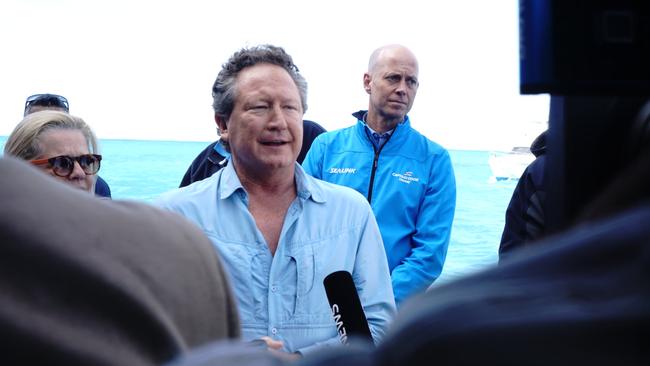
[(509, 165)]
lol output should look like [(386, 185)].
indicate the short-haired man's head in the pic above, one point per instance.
[(24, 141), (224, 88), (39, 102), (379, 56)]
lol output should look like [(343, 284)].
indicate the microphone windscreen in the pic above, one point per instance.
[(346, 307)]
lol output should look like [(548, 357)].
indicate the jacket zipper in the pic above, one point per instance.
[(375, 161), (372, 173)]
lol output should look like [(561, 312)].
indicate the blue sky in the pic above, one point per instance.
[(144, 69)]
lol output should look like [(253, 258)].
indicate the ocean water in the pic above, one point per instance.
[(481, 203), (141, 170)]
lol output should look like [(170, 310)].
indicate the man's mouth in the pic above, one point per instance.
[(273, 143)]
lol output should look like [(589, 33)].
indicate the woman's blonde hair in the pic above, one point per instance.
[(24, 141)]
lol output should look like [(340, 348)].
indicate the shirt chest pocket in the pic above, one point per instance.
[(305, 267), (310, 301)]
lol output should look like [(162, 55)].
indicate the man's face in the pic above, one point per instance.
[(392, 84), (265, 126)]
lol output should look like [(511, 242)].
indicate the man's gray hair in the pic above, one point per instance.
[(224, 90)]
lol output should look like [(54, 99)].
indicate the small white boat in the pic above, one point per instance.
[(509, 165)]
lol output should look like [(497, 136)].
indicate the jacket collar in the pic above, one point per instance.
[(398, 134)]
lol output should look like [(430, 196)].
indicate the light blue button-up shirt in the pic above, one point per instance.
[(327, 228)]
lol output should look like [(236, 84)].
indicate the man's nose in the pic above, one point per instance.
[(402, 86), (278, 119)]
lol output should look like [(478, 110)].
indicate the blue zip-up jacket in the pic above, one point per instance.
[(411, 187)]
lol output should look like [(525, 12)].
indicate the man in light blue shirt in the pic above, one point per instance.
[(280, 231)]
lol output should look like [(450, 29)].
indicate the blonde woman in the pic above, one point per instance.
[(61, 144)]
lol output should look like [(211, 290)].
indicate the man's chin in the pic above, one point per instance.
[(396, 110), (280, 157), (395, 116), (283, 163), (278, 162)]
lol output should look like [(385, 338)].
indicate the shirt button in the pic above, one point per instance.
[(274, 288), (274, 331)]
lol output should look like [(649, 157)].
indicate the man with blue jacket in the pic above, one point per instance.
[(407, 178)]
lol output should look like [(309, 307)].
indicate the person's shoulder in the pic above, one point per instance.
[(420, 143), (341, 133), (101, 188), (205, 152), (536, 169), (311, 127), (204, 164), (538, 147), (199, 161)]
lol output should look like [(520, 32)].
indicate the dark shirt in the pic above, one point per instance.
[(209, 161)]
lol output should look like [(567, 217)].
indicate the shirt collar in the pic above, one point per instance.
[(373, 132), (377, 134), (229, 182), (306, 186)]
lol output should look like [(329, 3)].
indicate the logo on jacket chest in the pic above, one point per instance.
[(406, 177), (342, 170)]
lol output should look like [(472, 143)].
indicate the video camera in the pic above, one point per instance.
[(593, 58)]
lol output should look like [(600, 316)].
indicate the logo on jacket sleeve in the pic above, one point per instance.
[(342, 170), (406, 177)]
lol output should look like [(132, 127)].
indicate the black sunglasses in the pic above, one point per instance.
[(64, 165), (46, 100)]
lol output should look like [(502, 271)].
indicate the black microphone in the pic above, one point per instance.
[(346, 307)]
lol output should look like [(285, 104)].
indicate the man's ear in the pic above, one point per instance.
[(221, 123), (366, 82)]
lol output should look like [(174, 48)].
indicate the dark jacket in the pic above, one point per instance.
[(209, 161), (525, 213)]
